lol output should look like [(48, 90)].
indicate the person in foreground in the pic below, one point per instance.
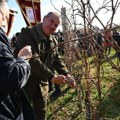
[(45, 62), (14, 74)]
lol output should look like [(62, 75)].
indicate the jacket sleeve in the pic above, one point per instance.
[(38, 68), (59, 65), (14, 73)]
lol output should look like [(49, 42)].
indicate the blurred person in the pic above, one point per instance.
[(99, 41), (108, 42), (116, 37), (14, 74), (60, 40), (14, 39), (45, 62)]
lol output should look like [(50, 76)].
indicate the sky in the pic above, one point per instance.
[(46, 6)]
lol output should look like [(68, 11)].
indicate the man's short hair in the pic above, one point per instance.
[(52, 13)]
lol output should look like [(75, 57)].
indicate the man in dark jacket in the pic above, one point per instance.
[(116, 37), (45, 61), (14, 74)]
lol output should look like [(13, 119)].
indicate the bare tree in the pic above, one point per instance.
[(79, 20)]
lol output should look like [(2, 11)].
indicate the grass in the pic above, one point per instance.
[(91, 100)]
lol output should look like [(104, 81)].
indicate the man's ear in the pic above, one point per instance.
[(4, 23)]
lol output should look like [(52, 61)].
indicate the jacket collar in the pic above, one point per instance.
[(5, 50), (3, 37), (41, 33)]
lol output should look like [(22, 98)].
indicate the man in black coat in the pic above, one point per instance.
[(116, 37), (14, 74)]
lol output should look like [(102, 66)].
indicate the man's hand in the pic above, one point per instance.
[(70, 80), (25, 52), (59, 79)]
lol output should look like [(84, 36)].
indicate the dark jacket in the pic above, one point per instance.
[(116, 37), (14, 74), (46, 58)]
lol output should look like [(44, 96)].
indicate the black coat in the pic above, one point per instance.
[(14, 73), (117, 38)]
